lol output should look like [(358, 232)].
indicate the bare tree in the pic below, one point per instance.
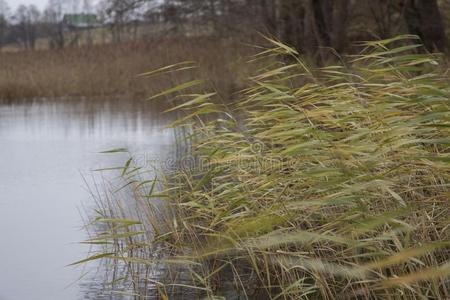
[(312, 26), (88, 9), (121, 13), (27, 18), (385, 14), (4, 16), (292, 23), (423, 18), (53, 16)]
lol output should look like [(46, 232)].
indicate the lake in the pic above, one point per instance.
[(47, 150)]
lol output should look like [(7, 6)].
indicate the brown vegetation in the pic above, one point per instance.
[(112, 70)]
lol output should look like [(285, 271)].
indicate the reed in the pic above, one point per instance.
[(111, 70), (316, 183)]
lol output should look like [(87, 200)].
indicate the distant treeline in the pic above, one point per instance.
[(308, 25)]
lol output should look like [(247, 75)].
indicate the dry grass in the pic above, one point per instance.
[(328, 183), (111, 70)]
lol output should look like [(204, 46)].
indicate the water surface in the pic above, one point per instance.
[(45, 148)]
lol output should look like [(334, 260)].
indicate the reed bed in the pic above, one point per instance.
[(316, 183), (112, 70)]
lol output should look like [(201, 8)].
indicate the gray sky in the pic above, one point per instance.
[(39, 3)]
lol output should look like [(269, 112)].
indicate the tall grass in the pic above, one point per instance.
[(110, 70), (328, 183)]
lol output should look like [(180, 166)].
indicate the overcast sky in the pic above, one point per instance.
[(39, 3)]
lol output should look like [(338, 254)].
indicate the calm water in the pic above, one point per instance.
[(45, 148)]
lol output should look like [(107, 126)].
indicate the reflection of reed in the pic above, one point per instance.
[(107, 283), (85, 117), (45, 144), (148, 275)]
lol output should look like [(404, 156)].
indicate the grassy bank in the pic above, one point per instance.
[(111, 70), (328, 183)]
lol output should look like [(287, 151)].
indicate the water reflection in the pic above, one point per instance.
[(45, 148), (114, 283)]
